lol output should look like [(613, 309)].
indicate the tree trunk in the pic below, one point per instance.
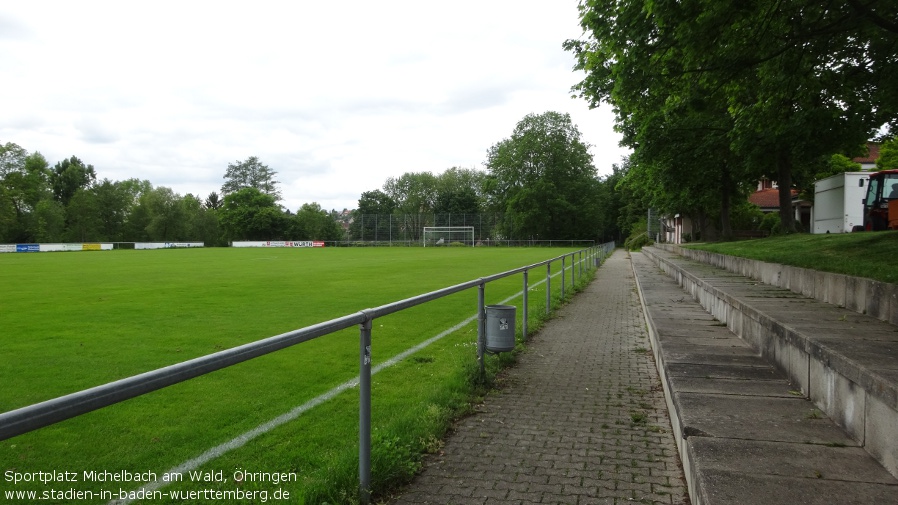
[(726, 184), (784, 180)]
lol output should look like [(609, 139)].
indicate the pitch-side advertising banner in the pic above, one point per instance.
[(53, 247), (279, 243), (166, 245)]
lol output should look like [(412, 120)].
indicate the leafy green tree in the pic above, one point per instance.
[(250, 173), (167, 217), (207, 228), (7, 216), (82, 220), (25, 181), (138, 221), (371, 203), (70, 175), (36, 185), (311, 222), (610, 204), (213, 201), (48, 223), (201, 223), (459, 191), (543, 179), (888, 155), (12, 158), (795, 80), (114, 202), (414, 194), (249, 214)]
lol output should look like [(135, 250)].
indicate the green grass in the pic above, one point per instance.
[(76, 320), (867, 254)]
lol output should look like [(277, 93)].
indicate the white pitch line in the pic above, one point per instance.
[(241, 440)]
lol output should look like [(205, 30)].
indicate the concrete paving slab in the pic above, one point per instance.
[(848, 330), (701, 338), (738, 356), (731, 387), (762, 372), (810, 461), (721, 487), (793, 420), (872, 353)]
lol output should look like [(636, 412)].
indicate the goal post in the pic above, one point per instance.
[(448, 235)]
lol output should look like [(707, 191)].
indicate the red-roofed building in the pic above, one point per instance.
[(868, 162), (769, 199)]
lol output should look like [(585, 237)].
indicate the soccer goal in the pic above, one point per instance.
[(448, 235)]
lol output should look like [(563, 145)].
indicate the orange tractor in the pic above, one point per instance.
[(881, 204)]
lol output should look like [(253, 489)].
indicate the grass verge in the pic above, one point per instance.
[(866, 254)]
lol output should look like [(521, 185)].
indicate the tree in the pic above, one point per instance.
[(48, 223), (249, 214), (114, 202), (213, 201), (166, 215), (371, 203), (414, 194), (24, 178), (543, 179), (250, 173), (795, 80), (311, 222), (12, 158), (459, 191), (82, 221), (7, 216), (69, 176), (888, 155)]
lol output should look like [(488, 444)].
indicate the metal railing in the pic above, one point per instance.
[(39, 415)]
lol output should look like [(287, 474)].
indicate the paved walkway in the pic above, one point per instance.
[(581, 418)]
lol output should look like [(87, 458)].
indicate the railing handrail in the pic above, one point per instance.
[(39, 415)]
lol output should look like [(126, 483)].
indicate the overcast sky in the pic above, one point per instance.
[(334, 96)]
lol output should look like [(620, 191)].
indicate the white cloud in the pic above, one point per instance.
[(334, 96)]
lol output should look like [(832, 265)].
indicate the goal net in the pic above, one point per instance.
[(448, 235)]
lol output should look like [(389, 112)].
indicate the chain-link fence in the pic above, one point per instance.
[(409, 228)]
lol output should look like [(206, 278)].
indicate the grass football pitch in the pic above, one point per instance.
[(71, 321)]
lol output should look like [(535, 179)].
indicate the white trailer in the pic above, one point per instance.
[(838, 202)]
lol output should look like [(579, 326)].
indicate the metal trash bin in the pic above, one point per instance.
[(500, 327)]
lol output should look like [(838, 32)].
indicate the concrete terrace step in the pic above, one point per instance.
[(747, 433)]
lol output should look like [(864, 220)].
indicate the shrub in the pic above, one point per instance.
[(638, 237), (771, 223)]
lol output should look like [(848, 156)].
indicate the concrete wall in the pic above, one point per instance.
[(859, 294)]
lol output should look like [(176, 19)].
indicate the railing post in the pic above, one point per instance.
[(563, 281), (548, 287), (573, 272), (481, 327), (524, 311), (365, 412)]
